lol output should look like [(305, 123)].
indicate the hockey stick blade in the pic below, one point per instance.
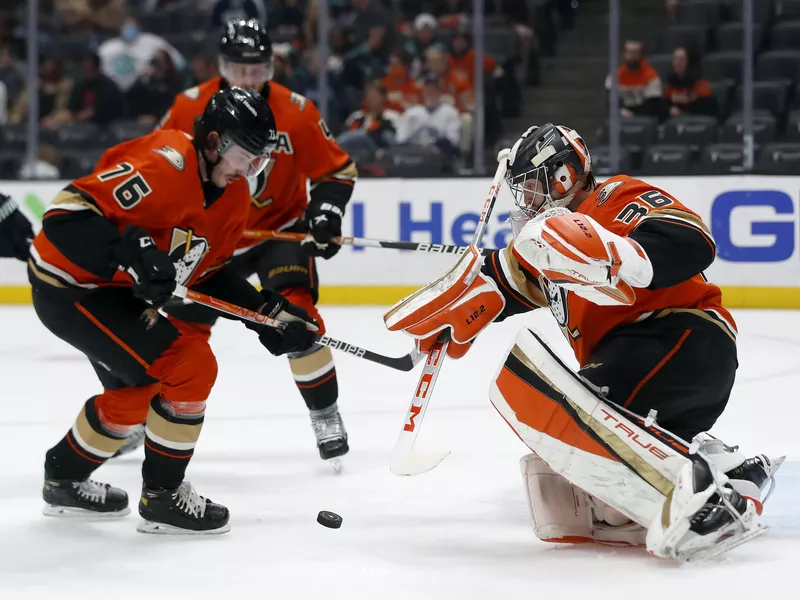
[(416, 463)]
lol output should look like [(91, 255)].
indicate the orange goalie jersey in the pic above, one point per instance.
[(306, 150), (621, 205), (152, 182)]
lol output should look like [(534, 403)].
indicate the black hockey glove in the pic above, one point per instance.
[(296, 336), (16, 232), (324, 223), (152, 269)]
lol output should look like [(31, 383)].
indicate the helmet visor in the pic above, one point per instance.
[(244, 162), (249, 75)]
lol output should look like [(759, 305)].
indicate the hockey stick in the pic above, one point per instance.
[(402, 363), (405, 461), (290, 236)]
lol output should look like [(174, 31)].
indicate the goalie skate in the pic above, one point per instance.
[(86, 499), (181, 511)]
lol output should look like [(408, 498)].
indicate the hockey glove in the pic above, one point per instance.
[(464, 302), (151, 268), (324, 224), (298, 335), (16, 232)]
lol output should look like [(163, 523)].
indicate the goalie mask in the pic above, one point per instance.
[(548, 165)]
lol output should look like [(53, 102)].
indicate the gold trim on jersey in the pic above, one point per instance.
[(46, 278), (721, 323), (522, 285), (72, 199), (683, 215)]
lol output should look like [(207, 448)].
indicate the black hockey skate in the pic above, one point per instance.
[(754, 476), (181, 511), (331, 435), (133, 441), (87, 498)]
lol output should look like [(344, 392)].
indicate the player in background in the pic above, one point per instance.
[(620, 264), (16, 232), (163, 209), (307, 154)]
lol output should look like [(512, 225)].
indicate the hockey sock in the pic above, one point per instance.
[(84, 448), (170, 437), (315, 375)]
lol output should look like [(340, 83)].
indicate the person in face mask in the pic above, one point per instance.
[(126, 58), (640, 89)]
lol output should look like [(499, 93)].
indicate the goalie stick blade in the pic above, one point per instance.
[(416, 463)]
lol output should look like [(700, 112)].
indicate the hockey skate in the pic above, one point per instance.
[(133, 441), (83, 499), (181, 511), (331, 435)]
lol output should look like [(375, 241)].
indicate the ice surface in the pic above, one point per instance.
[(460, 531)]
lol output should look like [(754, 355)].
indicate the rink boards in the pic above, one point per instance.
[(754, 220)]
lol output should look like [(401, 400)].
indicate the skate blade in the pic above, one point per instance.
[(72, 512), (153, 528), (724, 546)]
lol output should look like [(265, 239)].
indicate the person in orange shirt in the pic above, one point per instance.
[(685, 92), (620, 265), (162, 210), (306, 153), (402, 90), (640, 89)]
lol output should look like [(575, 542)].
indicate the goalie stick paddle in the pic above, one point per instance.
[(291, 236), (401, 363), (405, 460)]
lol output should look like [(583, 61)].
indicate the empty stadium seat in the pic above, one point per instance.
[(14, 137), (501, 43), (723, 65), (78, 136), (785, 36), (789, 9), (692, 37), (635, 132), (699, 12), (764, 129), (779, 159), (601, 161), (693, 131), (778, 64), (792, 132), (663, 159), (413, 161), (122, 131), (771, 96), (762, 10), (722, 89), (662, 63), (720, 159), (10, 164), (730, 36)]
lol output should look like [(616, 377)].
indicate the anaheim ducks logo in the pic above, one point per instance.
[(187, 251), (606, 191), (558, 301)]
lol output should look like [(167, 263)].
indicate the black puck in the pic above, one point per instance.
[(329, 519)]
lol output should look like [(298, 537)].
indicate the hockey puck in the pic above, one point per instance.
[(329, 519)]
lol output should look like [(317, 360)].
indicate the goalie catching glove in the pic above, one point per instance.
[(575, 252), (462, 302)]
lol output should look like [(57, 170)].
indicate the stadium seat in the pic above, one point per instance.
[(720, 159), (771, 96), (699, 12), (722, 90), (764, 129), (601, 161), (762, 10), (692, 37), (10, 164), (778, 64), (723, 65), (693, 131), (666, 159), (14, 137), (77, 163), (730, 36), (501, 43), (792, 133), (785, 35), (790, 9), (635, 132), (779, 159), (662, 63), (80, 136), (413, 161), (122, 131)]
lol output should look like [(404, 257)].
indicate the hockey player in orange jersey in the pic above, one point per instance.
[(620, 265), (160, 210), (306, 153)]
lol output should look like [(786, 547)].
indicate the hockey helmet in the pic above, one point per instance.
[(246, 42)]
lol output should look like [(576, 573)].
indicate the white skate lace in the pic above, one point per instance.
[(189, 501), (328, 428), (92, 491)]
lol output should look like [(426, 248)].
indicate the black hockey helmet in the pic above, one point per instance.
[(548, 165), (240, 117), (246, 42)]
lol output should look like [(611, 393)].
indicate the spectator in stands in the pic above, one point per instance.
[(126, 58), (284, 72), (372, 28), (83, 17), (308, 82), (454, 84), (225, 10), (435, 123), (54, 94), (375, 125), (155, 90), (640, 90), (403, 90), (686, 92), (95, 98), (11, 75), (287, 17), (203, 67), (425, 36)]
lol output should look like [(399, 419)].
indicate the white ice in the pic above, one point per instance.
[(460, 531)]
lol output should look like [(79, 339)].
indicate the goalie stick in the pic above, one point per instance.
[(405, 460), (401, 363), (291, 236)]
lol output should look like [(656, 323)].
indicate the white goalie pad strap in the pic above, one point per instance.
[(591, 443)]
